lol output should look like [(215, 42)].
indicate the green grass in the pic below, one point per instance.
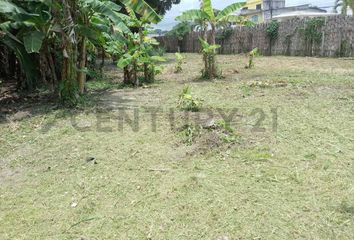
[(295, 181)]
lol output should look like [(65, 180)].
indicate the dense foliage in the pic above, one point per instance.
[(272, 31), (50, 43)]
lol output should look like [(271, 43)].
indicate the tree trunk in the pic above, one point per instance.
[(68, 91), (81, 77), (146, 67), (146, 73), (43, 67), (205, 32), (205, 57), (213, 69), (102, 60), (127, 76), (52, 69), (135, 74)]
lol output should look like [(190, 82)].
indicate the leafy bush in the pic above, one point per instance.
[(188, 102), (273, 30), (179, 62)]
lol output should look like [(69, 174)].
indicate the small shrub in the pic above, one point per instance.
[(252, 54), (179, 62), (188, 102)]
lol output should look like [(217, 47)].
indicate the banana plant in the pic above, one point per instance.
[(138, 58), (179, 62), (208, 17), (96, 11), (33, 28), (25, 27), (252, 54), (209, 52), (95, 18), (344, 5), (147, 13)]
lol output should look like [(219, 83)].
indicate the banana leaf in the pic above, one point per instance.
[(29, 66)]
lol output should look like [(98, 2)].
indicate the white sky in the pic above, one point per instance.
[(169, 19)]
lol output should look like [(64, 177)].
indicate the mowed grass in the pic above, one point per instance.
[(289, 177)]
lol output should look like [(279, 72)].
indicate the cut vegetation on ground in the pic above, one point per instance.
[(282, 168)]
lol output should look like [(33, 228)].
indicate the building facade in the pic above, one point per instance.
[(254, 7), (260, 11)]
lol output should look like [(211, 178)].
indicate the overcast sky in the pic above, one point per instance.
[(169, 19)]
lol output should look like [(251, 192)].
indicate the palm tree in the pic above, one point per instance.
[(344, 4)]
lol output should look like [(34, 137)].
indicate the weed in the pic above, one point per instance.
[(190, 132), (246, 90), (227, 133), (225, 126), (188, 102)]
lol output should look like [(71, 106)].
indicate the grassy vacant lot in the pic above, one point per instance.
[(289, 177)]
